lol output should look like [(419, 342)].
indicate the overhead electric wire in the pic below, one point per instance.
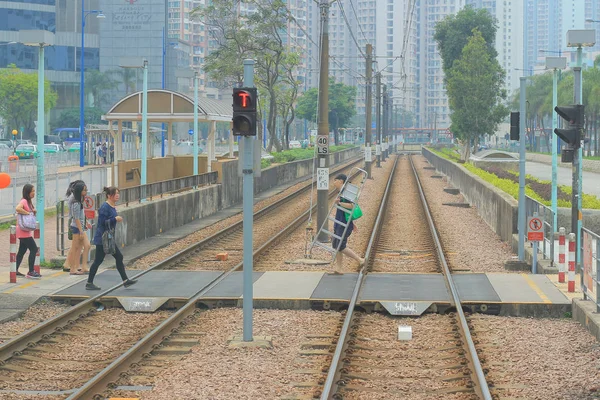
[(357, 21)]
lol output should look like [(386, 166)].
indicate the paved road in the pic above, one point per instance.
[(590, 182), (55, 185)]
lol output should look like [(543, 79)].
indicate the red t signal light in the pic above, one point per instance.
[(244, 99), (244, 111)]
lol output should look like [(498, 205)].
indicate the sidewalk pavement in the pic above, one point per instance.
[(16, 298)]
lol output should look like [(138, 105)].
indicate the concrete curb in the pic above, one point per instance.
[(584, 311)]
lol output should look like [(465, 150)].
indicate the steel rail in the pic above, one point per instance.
[(94, 387), (330, 387), (28, 338), (480, 382)]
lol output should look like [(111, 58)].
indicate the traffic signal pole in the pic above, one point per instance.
[(323, 126), (247, 143), (368, 109), (521, 211), (576, 216)]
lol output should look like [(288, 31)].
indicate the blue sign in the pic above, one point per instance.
[(191, 131), (373, 125)]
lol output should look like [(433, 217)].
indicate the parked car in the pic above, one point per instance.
[(4, 146), (54, 139), (7, 142), (20, 142), (295, 144), (53, 148), (74, 147), (26, 151)]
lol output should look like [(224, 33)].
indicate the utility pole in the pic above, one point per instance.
[(378, 95), (323, 126), (396, 128), (368, 107), (385, 126)]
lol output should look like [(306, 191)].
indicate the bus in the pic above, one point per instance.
[(67, 135)]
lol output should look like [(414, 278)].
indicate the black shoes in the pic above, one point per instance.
[(129, 282), (91, 286), (20, 274)]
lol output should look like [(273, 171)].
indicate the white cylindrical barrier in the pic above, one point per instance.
[(572, 247), (561, 255), (13, 254), (36, 236)]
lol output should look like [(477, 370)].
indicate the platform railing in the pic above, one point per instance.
[(547, 216), (590, 283)]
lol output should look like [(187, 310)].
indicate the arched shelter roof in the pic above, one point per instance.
[(169, 106)]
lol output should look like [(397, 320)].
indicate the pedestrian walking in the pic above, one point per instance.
[(25, 235), (338, 229), (78, 230), (98, 153), (104, 152), (107, 215)]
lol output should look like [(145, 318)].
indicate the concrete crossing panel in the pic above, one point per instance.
[(286, 285)]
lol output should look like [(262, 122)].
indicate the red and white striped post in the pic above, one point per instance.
[(13, 254), (561, 255), (36, 236), (572, 247)]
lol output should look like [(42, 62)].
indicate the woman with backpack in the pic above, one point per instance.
[(107, 218), (25, 234), (77, 192)]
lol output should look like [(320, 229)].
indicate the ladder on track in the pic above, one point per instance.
[(350, 193)]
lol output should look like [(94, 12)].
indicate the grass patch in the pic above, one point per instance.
[(52, 264), (302, 154), (508, 181)]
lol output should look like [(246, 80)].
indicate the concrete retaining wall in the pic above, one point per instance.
[(496, 208), (588, 165), (142, 221)]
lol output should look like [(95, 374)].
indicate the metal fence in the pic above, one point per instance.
[(130, 195), (55, 187), (590, 285), (547, 216)]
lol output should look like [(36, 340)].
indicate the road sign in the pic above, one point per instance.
[(322, 144), (322, 178), (535, 229), (88, 203), (191, 132)]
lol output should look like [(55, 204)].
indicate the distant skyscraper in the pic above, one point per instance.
[(509, 36)]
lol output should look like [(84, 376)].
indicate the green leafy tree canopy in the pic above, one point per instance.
[(474, 86), (18, 98), (454, 31), (341, 104), (70, 118)]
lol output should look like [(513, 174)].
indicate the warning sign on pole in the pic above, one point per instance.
[(322, 178), (88, 203), (535, 229)]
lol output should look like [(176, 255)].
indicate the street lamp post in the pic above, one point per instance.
[(578, 38), (84, 15), (555, 63), (163, 84), (41, 39)]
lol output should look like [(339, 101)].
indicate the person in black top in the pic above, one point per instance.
[(107, 214), (338, 229)]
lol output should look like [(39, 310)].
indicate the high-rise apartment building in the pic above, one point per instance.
[(62, 61), (509, 37), (433, 107)]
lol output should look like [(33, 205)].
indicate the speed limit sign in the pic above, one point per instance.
[(322, 144)]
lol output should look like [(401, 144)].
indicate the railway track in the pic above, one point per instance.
[(61, 329), (345, 377)]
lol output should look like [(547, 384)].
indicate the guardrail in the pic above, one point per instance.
[(547, 216), (590, 283)]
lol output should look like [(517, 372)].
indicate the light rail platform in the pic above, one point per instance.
[(400, 294)]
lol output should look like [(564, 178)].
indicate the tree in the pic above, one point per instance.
[(70, 118), (99, 85), (18, 98), (474, 86), (341, 105), (256, 35), (455, 30), (128, 77)]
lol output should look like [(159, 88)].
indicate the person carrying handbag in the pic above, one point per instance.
[(107, 220), (26, 224), (77, 230)]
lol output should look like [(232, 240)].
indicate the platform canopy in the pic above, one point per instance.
[(169, 106)]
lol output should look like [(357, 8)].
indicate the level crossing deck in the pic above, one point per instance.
[(406, 294)]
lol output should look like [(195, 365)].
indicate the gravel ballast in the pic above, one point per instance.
[(215, 371), (34, 315), (469, 243)]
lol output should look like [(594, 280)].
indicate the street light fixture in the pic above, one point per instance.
[(84, 14), (41, 39), (578, 38)]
